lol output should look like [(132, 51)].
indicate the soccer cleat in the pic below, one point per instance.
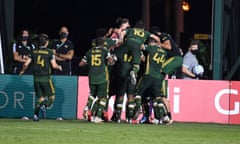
[(35, 118), (155, 121), (24, 118), (160, 121), (98, 120), (133, 78), (119, 121), (167, 120), (43, 111), (129, 121), (144, 120), (59, 118), (91, 119)]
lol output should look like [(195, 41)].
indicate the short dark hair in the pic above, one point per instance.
[(140, 24), (193, 42), (42, 39), (121, 21), (21, 33), (100, 41), (101, 32), (154, 29)]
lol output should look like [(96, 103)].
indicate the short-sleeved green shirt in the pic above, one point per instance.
[(43, 84), (139, 35), (156, 56), (152, 78), (97, 63), (42, 64), (134, 39)]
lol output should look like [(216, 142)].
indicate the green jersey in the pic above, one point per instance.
[(134, 39), (156, 56), (138, 35), (124, 60), (42, 63), (96, 58)]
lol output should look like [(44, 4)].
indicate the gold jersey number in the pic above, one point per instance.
[(96, 60), (159, 59), (139, 32), (40, 61)]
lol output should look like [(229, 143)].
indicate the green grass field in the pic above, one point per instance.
[(16, 131)]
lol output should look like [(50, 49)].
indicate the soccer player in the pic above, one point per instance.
[(63, 49), (173, 62), (43, 61), (124, 85), (122, 25), (152, 78), (134, 39), (110, 43), (121, 71), (97, 59)]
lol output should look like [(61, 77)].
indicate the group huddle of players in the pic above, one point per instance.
[(133, 62)]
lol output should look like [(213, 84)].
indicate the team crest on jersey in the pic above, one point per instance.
[(66, 46)]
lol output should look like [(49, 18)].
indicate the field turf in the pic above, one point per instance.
[(17, 131)]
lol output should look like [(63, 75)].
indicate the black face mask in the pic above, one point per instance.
[(63, 35), (195, 52), (24, 38)]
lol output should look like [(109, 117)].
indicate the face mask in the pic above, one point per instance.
[(24, 38), (195, 52), (63, 35)]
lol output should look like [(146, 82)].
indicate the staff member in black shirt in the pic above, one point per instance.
[(22, 48), (63, 49)]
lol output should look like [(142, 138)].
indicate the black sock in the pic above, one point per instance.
[(169, 115)]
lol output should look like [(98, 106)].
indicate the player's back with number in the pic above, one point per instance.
[(41, 59), (155, 58), (138, 34), (96, 58)]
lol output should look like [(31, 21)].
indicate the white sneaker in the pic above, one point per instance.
[(35, 118)]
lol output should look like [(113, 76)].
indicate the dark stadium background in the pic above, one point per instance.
[(84, 17)]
